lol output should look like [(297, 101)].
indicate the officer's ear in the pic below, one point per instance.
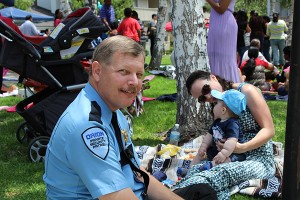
[(96, 70)]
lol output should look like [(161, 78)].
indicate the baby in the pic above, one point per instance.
[(230, 104)]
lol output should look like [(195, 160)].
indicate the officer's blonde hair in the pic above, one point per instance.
[(106, 49)]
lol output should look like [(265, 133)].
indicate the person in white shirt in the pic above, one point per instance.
[(254, 43), (28, 28)]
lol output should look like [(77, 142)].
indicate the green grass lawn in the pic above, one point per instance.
[(22, 180)]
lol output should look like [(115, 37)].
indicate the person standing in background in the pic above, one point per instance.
[(152, 32), (129, 26), (28, 27), (222, 40), (257, 26), (107, 16), (135, 15), (243, 29), (266, 44), (144, 37), (58, 17), (275, 30)]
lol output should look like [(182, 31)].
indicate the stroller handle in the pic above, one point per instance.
[(7, 38), (75, 87)]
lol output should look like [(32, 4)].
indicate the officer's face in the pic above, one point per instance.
[(120, 82)]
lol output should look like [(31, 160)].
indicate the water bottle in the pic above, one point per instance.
[(175, 135)]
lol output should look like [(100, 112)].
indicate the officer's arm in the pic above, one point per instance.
[(125, 194)]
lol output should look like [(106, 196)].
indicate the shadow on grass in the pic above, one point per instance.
[(20, 175), (148, 141)]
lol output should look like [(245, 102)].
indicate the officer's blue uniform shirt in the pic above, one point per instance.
[(83, 156)]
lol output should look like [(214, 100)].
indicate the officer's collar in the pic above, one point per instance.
[(106, 113)]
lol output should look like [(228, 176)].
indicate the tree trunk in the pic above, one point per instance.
[(158, 48), (65, 7), (272, 6), (290, 25), (190, 54)]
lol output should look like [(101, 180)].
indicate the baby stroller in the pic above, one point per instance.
[(55, 62)]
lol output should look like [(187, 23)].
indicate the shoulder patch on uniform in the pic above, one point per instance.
[(96, 140)]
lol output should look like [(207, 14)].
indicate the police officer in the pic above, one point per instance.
[(85, 155)]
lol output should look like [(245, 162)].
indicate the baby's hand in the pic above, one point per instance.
[(202, 153), (219, 158)]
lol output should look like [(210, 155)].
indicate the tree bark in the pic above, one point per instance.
[(65, 7), (272, 6), (158, 48), (290, 25), (190, 54)]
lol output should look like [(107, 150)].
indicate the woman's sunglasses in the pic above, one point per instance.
[(205, 91)]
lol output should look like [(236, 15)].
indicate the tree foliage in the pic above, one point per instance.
[(259, 5), (23, 4), (119, 6), (75, 4), (285, 3)]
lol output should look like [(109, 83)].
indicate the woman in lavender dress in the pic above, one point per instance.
[(222, 39)]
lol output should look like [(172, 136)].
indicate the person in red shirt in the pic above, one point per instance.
[(130, 27), (58, 17), (253, 70)]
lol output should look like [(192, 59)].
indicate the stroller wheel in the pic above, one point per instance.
[(24, 133), (37, 148), (130, 124)]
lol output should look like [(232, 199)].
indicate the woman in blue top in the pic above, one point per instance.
[(258, 128)]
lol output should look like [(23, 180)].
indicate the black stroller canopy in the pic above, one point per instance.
[(56, 62), (57, 55)]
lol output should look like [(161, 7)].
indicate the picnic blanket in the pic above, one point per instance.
[(12, 93), (171, 158)]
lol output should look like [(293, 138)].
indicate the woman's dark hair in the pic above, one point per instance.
[(57, 14), (226, 85), (45, 31), (266, 18), (242, 16), (249, 67), (253, 13), (234, 14), (253, 52)]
